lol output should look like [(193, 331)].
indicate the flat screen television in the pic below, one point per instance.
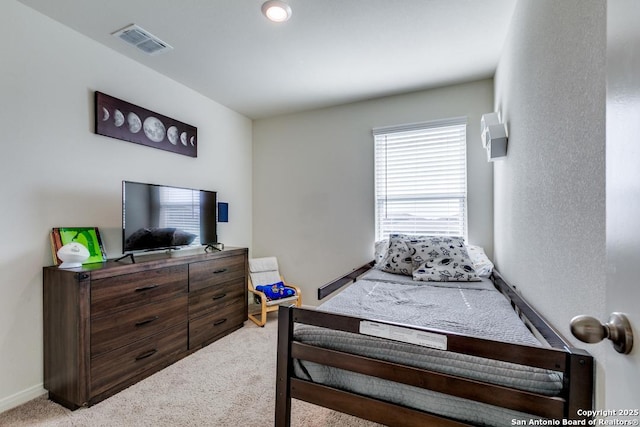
[(156, 217)]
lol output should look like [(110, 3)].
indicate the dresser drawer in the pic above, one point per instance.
[(209, 273), (215, 297), (113, 368), (130, 290), (205, 328), (127, 326)]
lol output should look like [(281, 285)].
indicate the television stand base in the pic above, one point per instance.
[(185, 251), (133, 260)]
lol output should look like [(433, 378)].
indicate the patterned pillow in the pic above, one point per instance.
[(441, 259), (397, 259)]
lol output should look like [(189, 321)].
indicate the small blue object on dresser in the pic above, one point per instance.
[(276, 291)]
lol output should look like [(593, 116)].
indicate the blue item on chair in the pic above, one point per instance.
[(276, 291)]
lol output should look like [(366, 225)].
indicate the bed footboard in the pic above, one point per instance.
[(575, 365)]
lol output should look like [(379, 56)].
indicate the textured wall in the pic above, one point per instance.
[(550, 191)]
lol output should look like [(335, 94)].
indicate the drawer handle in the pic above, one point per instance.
[(222, 270), (146, 288), (147, 354), (215, 297), (219, 322), (149, 320)]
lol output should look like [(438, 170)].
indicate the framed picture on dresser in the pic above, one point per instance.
[(87, 236)]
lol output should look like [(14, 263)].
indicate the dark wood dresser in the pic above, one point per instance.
[(107, 326)]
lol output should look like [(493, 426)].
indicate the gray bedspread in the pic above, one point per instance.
[(470, 308)]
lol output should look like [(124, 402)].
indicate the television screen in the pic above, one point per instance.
[(158, 217)]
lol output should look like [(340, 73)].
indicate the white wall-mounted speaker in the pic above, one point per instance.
[(494, 136)]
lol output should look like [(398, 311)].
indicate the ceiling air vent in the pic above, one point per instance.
[(142, 39)]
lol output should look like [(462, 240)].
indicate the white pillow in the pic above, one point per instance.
[(380, 252), (441, 259), (481, 262)]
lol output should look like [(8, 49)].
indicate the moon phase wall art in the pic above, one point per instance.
[(121, 120)]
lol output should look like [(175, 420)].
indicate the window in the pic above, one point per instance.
[(421, 178)]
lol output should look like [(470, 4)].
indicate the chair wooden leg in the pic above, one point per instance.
[(255, 320), (263, 315)]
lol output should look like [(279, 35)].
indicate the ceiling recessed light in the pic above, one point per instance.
[(276, 10)]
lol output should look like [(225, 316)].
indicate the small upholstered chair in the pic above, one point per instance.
[(264, 271)]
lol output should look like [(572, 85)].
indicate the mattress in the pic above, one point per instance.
[(471, 308)]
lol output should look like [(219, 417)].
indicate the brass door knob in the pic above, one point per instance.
[(589, 329)]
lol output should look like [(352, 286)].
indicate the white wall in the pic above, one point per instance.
[(550, 191), (54, 171), (313, 180)]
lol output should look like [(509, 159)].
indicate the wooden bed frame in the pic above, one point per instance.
[(576, 365)]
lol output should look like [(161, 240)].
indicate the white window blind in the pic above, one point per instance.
[(421, 178)]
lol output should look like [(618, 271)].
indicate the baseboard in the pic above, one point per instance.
[(21, 397)]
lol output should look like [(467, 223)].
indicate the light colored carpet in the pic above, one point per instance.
[(228, 383)]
